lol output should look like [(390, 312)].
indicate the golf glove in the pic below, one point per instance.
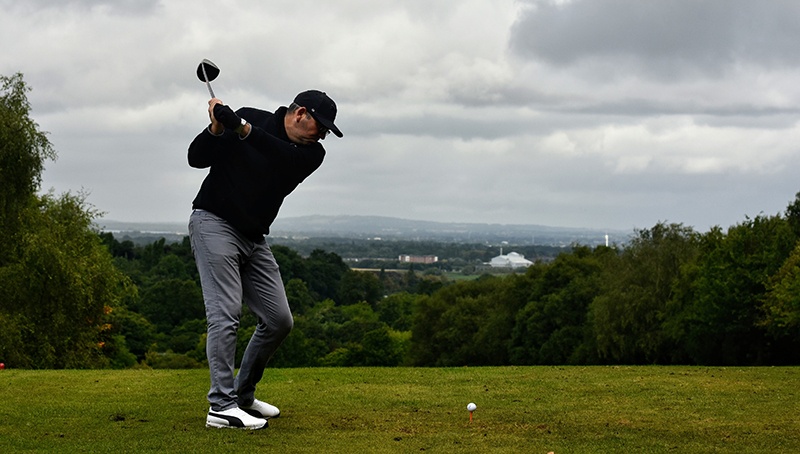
[(227, 117)]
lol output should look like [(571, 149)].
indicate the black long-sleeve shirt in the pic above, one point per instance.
[(249, 178)]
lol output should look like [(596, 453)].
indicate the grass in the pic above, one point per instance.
[(520, 409)]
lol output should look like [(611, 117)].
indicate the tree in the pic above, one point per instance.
[(468, 323), (325, 272), (61, 288), (552, 327), (58, 283), (721, 313), (139, 334), (300, 300), (637, 300), (781, 303), (396, 310), (358, 286), (23, 150), (171, 302), (292, 264), (793, 215)]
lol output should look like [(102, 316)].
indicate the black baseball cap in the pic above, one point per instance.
[(321, 107)]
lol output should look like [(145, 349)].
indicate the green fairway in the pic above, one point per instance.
[(520, 409)]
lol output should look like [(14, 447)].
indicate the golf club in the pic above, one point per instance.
[(206, 72)]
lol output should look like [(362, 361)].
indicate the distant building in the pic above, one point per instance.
[(512, 260), (419, 259)]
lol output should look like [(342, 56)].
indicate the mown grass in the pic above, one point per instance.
[(354, 410)]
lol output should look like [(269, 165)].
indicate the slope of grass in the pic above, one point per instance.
[(520, 409)]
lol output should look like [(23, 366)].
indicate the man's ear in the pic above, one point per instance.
[(300, 113)]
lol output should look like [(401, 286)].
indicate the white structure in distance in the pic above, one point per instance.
[(512, 260)]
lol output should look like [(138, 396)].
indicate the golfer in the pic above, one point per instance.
[(255, 159)]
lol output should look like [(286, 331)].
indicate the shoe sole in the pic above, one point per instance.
[(226, 426), (225, 422)]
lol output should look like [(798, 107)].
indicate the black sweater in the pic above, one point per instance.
[(248, 179)]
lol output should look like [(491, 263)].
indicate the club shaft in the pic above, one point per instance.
[(208, 84)]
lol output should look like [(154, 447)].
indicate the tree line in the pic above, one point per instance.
[(342, 317), (670, 296)]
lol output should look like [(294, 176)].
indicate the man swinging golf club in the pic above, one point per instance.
[(255, 159)]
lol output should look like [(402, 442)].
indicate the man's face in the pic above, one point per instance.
[(303, 129)]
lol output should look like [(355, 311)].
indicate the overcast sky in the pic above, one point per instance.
[(595, 113)]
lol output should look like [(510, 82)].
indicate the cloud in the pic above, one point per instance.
[(117, 7), (662, 40)]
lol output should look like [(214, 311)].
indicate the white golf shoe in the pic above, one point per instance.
[(261, 409), (234, 418)]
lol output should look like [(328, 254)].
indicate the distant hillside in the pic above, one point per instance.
[(388, 228), (393, 228), (177, 228)]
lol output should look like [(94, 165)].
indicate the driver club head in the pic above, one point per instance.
[(206, 72)]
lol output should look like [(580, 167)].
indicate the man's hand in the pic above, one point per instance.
[(216, 126), (226, 116)]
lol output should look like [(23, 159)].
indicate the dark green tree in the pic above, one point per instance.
[(58, 284), (781, 304), (300, 299), (358, 286), (171, 302), (139, 334), (325, 271), (468, 323), (293, 266), (720, 320), (62, 288), (552, 328), (23, 151), (397, 310), (637, 301)]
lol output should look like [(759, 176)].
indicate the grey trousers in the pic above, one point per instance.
[(233, 270)]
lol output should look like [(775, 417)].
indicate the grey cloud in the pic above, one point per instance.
[(677, 37), (135, 7)]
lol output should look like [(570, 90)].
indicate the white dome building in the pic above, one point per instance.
[(512, 260)]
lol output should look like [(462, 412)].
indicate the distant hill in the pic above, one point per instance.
[(176, 228), (388, 228)]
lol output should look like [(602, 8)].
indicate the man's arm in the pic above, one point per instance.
[(204, 147), (303, 158)]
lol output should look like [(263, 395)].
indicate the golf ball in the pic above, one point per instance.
[(471, 406)]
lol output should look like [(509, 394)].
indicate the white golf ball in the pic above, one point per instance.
[(471, 406)]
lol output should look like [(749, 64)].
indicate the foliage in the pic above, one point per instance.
[(671, 296), (636, 298), (167, 316), (62, 287), (782, 300), (58, 284), (465, 324), (721, 311), (23, 150), (552, 328)]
